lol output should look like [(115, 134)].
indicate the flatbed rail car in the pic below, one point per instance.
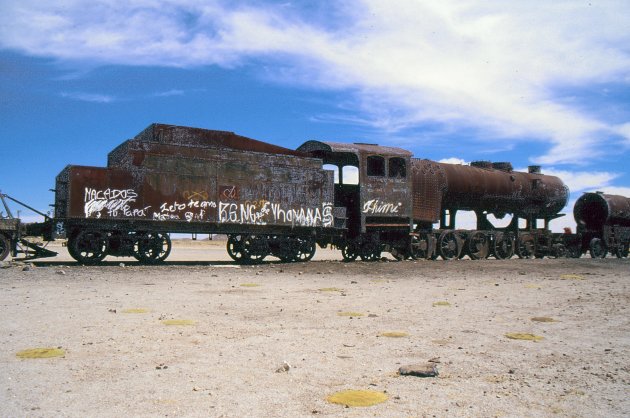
[(13, 233)]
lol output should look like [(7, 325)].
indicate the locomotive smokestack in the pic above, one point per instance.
[(534, 169)]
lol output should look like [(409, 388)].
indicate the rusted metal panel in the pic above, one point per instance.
[(191, 138), (181, 175), (429, 184), (594, 210), (356, 148), (385, 197), (484, 188)]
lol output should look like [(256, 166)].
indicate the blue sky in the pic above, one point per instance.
[(539, 82)]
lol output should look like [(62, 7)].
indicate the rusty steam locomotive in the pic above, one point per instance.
[(271, 200)]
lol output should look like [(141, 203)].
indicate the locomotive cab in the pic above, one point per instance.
[(373, 183)]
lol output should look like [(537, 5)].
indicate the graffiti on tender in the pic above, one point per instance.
[(243, 213), (193, 210), (375, 206), (115, 203), (195, 195), (228, 193), (266, 212)]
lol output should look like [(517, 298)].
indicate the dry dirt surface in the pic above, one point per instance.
[(277, 340)]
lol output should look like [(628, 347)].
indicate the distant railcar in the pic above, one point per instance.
[(603, 222)]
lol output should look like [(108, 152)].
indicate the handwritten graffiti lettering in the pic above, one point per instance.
[(375, 206), (228, 192), (114, 202), (327, 215), (243, 213), (195, 195), (193, 210), (109, 194), (123, 203)]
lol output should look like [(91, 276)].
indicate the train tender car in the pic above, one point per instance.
[(603, 224), (174, 179), (440, 190)]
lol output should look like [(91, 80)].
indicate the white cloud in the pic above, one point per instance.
[(89, 97), (169, 93), (583, 181), (453, 160), (490, 65)]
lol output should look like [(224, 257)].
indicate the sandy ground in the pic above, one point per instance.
[(325, 321)]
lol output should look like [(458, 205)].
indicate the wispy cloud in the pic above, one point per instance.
[(89, 97), (169, 93), (495, 66)]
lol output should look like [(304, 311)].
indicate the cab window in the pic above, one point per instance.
[(375, 166), (350, 174), (397, 167)]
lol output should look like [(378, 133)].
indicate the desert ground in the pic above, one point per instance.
[(201, 336)]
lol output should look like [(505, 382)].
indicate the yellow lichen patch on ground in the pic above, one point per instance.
[(354, 398), (571, 277), (250, 284), (178, 322), (533, 286), (135, 310), (350, 314), (394, 334), (523, 336), (543, 319), (330, 289), (41, 353), (441, 303)]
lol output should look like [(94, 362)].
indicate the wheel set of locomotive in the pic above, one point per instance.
[(247, 248), (89, 246)]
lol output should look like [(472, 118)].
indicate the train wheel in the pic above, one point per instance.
[(449, 245), (255, 248), (235, 247), (478, 245), (152, 248), (5, 247), (370, 251), (400, 253), (305, 249), (621, 251), (597, 248), (349, 252), (526, 246), (503, 246), (285, 248), (88, 247), (421, 246)]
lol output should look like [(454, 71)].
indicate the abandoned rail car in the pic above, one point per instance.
[(360, 198), (603, 222)]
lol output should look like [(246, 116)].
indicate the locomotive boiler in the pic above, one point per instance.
[(440, 190)]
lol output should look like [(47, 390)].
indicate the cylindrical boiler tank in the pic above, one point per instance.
[(498, 192), (593, 210)]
